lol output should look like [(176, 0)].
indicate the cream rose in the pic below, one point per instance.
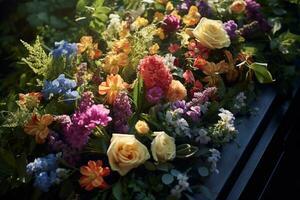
[(163, 147), (211, 34), (125, 153), (142, 127), (238, 6)]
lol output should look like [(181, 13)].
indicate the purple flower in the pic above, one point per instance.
[(202, 97), (81, 70), (254, 13), (184, 6), (154, 95), (179, 106), (121, 113), (84, 120), (171, 23), (204, 8), (96, 115), (194, 113), (231, 28), (57, 143)]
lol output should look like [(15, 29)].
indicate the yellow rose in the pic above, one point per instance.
[(211, 34), (142, 127), (125, 153), (176, 91), (163, 147), (238, 6)]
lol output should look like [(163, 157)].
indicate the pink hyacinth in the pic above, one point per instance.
[(155, 73)]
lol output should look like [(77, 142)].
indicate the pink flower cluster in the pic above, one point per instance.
[(84, 120), (155, 73)]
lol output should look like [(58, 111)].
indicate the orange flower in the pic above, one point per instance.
[(200, 63), (113, 62), (111, 87), (154, 49), (38, 127), (158, 16), (30, 100), (86, 44), (232, 72), (122, 45), (160, 33), (214, 71), (193, 17), (92, 175)]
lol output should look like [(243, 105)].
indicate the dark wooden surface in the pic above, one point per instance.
[(246, 170)]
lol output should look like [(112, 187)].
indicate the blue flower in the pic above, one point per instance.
[(46, 163), (64, 48), (61, 85), (45, 172)]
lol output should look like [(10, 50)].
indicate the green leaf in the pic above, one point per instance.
[(117, 190), (186, 151), (261, 72), (138, 94), (150, 166), (7, 162), (203, 171), (164, 166), (98, 3), (167, 179)]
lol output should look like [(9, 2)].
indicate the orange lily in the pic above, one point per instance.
[(30, 100), (213, 72), (86, 44), (38, 127), (111, 87)]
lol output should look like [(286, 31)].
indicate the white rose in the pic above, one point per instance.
[(163, 147)]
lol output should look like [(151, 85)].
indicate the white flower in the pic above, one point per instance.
[(169, 61), (213, 159), (227, 119), (114, 22), (240, 100)]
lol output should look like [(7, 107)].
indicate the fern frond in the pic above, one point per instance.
[(37, 59)]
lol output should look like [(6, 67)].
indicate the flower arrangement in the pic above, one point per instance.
[(115, 116)]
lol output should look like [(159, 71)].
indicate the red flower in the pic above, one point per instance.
[(197, 87), (155, 73), (173, 48), (196, 49), (92, 175), (188, 76), (200, 63)]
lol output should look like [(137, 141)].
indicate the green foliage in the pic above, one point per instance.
[(186, 151), (92, 13), (37, 59), (117, 190), (261, 72), (138, 94), (142, 40)]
